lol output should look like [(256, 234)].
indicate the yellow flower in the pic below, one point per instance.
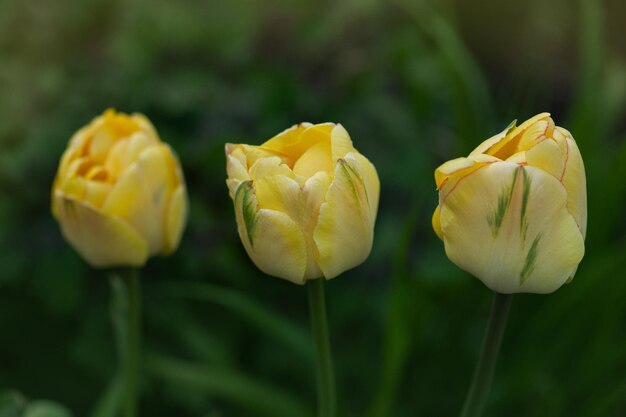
[(305, 202), (514, 212), (119, 194)]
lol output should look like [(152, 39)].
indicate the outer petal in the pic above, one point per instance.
[(142, 195), (273, 241), (176, 219), (575, 182), (283, 194), (518, 236), (102, 240), (436, 221), (345, 227)]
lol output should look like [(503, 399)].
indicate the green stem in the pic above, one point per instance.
[(479, 390), (326, 396), (133, 342)]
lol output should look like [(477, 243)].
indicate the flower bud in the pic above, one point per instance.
[(119, 193), (514, 212), (305, 202)]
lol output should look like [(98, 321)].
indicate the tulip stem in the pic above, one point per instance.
[(133, 341), (481, 383), (326, 396)]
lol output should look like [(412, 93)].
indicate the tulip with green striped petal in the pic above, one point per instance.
[(513, 213), (305, 203)]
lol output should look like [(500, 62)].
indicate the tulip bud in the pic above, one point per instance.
[(514, 212), (305, 202), (119, 193)]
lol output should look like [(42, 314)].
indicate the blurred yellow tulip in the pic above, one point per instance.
[(305, 202), (119, 193), (514, 212)]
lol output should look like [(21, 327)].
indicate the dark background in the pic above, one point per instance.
[(415, 84)]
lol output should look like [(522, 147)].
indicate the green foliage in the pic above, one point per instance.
[(415, 84)]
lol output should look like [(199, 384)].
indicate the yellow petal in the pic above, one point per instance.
[(437, 223), (548, 155), (236, 168), (280, 193), (504, 144), (455, 170), (575, 183), (125, 152), (142, 195), (345, 227), (176, 219), (103, 241), (340, 142), (451, 167), (269, 166), (518, 235), (296, 141), (366, 170), (272, 239), (286, 139), (487, 144), (316, 158)]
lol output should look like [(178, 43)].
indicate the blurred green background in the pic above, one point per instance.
[(415, 83)]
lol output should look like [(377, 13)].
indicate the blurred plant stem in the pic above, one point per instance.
[(481, 383), (133, 340), (326, 396)]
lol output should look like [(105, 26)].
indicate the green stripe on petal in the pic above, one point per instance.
[(504, 200), (243, 199), (526, 183), (531, 259)]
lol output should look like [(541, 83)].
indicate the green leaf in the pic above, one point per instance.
[(259, 397)]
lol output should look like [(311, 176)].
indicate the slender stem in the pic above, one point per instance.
[(481, 383), (133, 342), (326, 396)]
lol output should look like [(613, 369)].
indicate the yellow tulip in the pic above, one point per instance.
[(305, 202), (514, 212), (119, 193)]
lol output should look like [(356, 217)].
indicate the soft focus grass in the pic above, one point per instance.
[(415, 83)]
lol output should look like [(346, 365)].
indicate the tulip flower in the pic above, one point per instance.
[(120, 197), (119, 193), (305, 202), (514, 212)]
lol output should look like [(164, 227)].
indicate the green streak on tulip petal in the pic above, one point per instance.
[(348, 167), (348, 171), (525, 196), (243, 197), (504, 200), (531, 258)]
